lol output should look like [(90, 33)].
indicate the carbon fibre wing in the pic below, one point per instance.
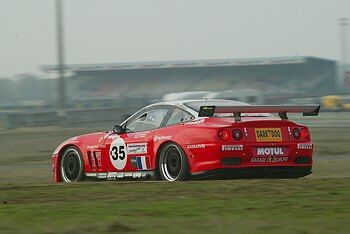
[(282, 110)]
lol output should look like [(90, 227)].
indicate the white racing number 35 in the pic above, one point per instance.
[(118, 154)]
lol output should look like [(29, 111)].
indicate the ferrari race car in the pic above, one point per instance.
[(178, 140)]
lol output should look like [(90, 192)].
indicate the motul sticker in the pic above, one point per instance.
[(268, 151)]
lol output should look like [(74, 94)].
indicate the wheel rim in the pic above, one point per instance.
[(171, 163), (70, 166)]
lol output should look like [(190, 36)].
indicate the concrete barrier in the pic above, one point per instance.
[(107, 117), (102, 117)]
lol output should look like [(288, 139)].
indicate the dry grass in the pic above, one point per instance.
[(31, 203)]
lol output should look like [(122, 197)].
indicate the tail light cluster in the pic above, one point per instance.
[(296, 133), (301, 133), (225, 134), (237, 134)]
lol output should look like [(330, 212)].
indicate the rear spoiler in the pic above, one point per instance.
[(307, 110)]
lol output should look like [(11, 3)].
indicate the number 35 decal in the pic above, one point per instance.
[(117, 153)]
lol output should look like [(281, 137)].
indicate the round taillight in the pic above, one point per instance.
[(296, 133), (224, 134), (237, 134), (305, 135)]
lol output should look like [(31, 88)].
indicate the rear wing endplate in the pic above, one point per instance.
[(307, 110)]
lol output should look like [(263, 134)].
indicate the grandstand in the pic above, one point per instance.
[(273, 76)]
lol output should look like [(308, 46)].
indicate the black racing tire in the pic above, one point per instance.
[(173, 163), (71, 165)]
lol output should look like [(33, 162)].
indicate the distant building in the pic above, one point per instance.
[(272, 76), (344, 76)]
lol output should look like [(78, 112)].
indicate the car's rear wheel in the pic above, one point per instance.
[(71, 165), (173, 164)]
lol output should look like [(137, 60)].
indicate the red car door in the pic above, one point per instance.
[(132, 151), (129, 151)]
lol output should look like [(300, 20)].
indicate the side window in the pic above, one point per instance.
[(148, 120), (179, 116)]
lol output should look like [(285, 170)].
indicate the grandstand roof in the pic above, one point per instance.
[(183, 64)]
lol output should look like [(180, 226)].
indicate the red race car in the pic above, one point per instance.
[(192, 139)]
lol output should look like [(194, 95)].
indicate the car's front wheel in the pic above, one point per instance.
[(71, 165), (173, 164)]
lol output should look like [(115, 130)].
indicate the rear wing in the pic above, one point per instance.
[(307, 110)]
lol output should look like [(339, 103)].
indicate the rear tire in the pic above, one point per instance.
[(71, 165), (173, 164)]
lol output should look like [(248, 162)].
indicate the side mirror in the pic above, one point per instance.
[(118, 129)]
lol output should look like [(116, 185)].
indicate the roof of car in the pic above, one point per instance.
[(181, 102)]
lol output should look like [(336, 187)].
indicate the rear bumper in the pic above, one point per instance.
[(244, 156), (254, 172)]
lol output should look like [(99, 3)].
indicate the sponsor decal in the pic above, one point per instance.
[(118, 153), (137, 148), (140, 162), (266, 151), (305, 146), (101, 175), (268, 134), (270, 155), (140, 134), (100, 139), (231, 147), (92, 147), (91, 174), (196, 146), (112, 175), (198, 121), (270, 159), (120, 175), (162, 138)]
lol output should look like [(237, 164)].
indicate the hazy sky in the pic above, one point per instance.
[(99, 31)]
